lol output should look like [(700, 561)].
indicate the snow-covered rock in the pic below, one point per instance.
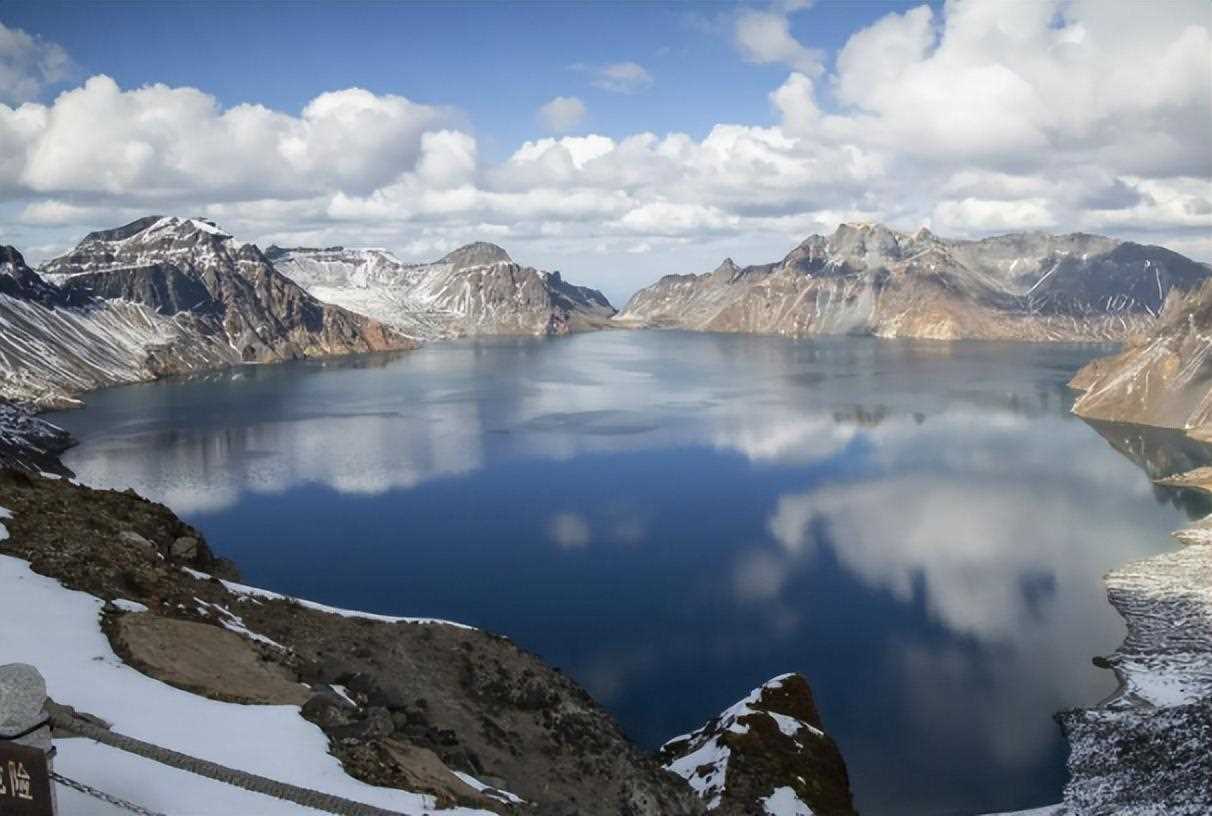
[(869, 279), (1145, 750), (767, 751), (477, 289)]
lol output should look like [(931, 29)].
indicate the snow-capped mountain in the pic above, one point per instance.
[(57, 343), (187, 265), (158, 296), (477, 289), (869, 279)]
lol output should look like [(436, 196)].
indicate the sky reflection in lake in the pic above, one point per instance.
[(919, 528)]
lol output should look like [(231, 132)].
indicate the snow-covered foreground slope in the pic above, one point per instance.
[(477, 289), (58, 630)]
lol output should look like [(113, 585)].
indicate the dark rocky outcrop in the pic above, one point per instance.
[(767, 753), (30, 443), (869, 279)]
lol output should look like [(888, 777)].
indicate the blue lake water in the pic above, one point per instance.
[(671, 518)]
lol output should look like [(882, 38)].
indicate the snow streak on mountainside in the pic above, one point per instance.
[(1164, 378), (869, 279), (55, 344), (476, 289)]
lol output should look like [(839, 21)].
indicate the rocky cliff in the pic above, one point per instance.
[(869, 279), (477, 289), (1161, 378)]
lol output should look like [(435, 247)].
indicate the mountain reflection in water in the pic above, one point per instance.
[(672, 518)]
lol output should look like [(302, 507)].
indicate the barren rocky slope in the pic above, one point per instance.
[(1161, 378), (477, 289), (869, 279)]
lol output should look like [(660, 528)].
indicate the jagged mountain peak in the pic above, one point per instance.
[(479, 253)]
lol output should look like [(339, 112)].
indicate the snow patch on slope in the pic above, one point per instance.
[(58, 630)]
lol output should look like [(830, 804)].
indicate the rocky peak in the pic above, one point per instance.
[(767, 753), (19, 281), (866, 241), (726, 271), (149, 241), (480, 253)]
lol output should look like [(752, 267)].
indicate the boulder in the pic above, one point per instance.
[(204, 659), (129, 539), (23, 705), (185, 548)]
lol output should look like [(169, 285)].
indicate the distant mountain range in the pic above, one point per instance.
[(476, 289), (166, 295), (169, 295), (869, 279)]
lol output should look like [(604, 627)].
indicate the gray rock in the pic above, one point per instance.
[(328, 709), (132, 540), (185, 548), (23, 704)]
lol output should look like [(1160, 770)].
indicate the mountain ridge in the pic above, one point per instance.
[(871, 279), (475, 289)]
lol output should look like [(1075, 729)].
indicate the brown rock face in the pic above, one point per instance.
[(769, 750), (1162, 378), (869, 279)]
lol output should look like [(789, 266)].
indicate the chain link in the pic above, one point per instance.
[(103, 796)]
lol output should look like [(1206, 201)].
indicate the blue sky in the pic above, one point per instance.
[(496, 61), (614, 141)]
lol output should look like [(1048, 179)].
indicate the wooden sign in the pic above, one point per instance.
[(25, 785)]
